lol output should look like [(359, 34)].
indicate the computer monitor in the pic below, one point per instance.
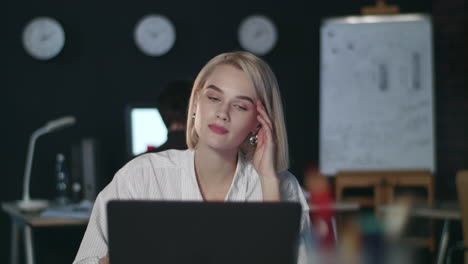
[(145, 129)]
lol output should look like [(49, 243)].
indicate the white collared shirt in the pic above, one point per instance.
[(170, 175)]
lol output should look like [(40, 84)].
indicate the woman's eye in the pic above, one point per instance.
[(240, 107), (211, 98)]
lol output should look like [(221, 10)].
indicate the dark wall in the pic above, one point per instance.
[(100, 70), (451, 91)]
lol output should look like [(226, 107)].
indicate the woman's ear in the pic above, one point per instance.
[(195, 100), (256, 128)]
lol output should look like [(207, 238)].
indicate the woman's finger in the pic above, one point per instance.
[(265, 124), (260, 138), (104, 260), (265, 116), (265, 127)]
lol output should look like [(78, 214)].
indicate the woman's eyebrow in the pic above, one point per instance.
[(245, 98), (242, 97), (214, 87)]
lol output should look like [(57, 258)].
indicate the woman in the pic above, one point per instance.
[(238, 151)]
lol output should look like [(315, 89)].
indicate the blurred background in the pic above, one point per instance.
[(100, 70)]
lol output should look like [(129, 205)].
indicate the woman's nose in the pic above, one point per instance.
[(223, 113)]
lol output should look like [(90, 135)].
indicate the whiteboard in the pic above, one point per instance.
[(376, 93)]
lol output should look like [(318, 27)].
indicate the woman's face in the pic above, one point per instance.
[(225, 109)]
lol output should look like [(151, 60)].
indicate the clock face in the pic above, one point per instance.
[(257, 34), (154, 35), (43, 38)]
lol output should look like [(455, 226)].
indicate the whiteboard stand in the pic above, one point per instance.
[(380, 9)]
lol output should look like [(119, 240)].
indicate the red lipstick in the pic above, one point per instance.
[(218, 129)]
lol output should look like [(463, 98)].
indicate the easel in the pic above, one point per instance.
[(384, 184), (381, 8)]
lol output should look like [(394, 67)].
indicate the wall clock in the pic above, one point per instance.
[(43, 38), (154, 35), (257, 34)]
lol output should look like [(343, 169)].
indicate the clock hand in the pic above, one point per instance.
[(45, 37), (258, 33), (153, 34)]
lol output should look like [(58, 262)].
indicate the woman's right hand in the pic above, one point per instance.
[(104, 260)]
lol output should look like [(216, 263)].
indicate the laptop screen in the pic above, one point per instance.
[(202, 232)]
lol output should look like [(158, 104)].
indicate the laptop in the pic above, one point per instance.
[(202, 232)]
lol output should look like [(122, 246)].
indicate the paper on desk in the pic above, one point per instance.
[(80, 210)]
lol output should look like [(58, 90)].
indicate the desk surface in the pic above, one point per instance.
[(447, 210), (338, 207), (440, 210), (35, 219)]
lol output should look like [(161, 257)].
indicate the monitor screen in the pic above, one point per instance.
[(145, 129)]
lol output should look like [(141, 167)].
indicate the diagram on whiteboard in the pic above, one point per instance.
[(376, 93)]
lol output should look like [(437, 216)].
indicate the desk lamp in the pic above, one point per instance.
[(28, 204)]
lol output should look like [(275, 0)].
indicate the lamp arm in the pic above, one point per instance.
[(29, 158)]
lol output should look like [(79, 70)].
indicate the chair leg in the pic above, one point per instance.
[(457, 247), (444, 238)]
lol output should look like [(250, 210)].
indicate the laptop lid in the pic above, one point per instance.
[(202, 232)]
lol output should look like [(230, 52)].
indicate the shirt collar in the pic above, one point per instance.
[(191, 191), (238, 189)]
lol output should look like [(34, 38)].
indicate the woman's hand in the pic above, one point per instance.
[(104, 260), (264, 156)]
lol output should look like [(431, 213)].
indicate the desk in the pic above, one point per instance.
[(384, 184), (336, 207), (446, 211), (21, 221)]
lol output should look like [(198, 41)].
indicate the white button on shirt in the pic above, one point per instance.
[(170, 175)]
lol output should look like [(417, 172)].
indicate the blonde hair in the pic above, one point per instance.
[(266, 87)]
